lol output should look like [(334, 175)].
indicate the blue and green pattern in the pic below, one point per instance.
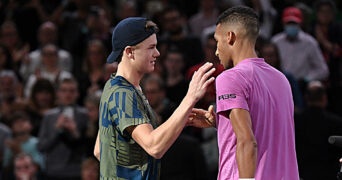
[(122, 105)]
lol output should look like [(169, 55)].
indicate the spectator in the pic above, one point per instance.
[(93, 78), (47, 34), (49, 69), (175, 34), (21, 142), (299, 52), (98, 26), (10, 87), (42, 99), (90, 169), (155, 90), (28, 15), (317, 159), (328, 32), (61, 136), (73, 30), (206, 17), (92, 104), (18, 48), (25, 168), (176, 84)]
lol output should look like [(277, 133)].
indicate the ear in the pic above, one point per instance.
[(129, 52), (231, 37)]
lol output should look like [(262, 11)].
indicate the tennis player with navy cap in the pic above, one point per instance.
[(130, 141)]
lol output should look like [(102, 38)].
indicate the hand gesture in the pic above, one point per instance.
[(200, 81), (201, 118)]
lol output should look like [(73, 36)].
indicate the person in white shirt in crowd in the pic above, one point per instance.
[(299, 52), (47, 33)]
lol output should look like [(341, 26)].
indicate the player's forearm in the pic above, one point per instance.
[(167, 133), (246, 156)]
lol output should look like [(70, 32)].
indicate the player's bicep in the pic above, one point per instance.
[(142, 135), (242, 124)]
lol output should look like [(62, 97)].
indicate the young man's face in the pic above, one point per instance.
[(145, 54), (222, 50)]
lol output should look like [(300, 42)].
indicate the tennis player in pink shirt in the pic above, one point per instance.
[(254, 106)]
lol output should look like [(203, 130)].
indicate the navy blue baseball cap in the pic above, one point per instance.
[(129, 32)]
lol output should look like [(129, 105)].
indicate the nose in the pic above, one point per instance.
[(157, 53), (216, 53)]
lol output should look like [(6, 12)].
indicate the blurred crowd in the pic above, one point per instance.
[(53, 68)]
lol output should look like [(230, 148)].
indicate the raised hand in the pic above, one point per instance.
[(200, 81)]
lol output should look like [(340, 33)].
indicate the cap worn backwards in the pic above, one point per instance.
[(128, 32)]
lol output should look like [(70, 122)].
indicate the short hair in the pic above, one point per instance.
[(244, 16), (69, 80), (319, 3), (19, 116)]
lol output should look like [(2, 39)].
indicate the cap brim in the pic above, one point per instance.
[(113, 56), (292, 19)]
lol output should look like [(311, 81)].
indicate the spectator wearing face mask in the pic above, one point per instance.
[(299, 51)]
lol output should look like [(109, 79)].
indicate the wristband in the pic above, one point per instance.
[(246, 178)]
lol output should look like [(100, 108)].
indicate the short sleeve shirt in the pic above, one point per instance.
[(257, 87), (121, 106)]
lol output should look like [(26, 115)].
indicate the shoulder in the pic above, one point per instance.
[(81, 109), (278, 37), (307, 38), (52, 112), (4, 129)]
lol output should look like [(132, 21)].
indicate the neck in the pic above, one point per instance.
[(246, 50), (130, 74)]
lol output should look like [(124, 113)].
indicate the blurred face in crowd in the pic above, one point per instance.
[(154, 93), (50, 56), (8, 84), (325, 14), (93, 111), (174, 63), (24, 168), (96, 54), (47, 33), (172, 22), (269, 53), (21, 127), (67, 93), (9, 35), (90, 169), (44, 99)]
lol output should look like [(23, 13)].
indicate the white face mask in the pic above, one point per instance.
[(292, 30)]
